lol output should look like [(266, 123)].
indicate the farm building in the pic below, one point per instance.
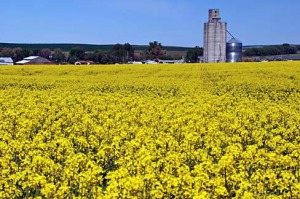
[(34, 60), (6, 61), (86, 62)]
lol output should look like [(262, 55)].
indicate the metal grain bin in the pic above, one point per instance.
[(234, 50)]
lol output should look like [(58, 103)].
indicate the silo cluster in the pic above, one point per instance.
[(215, 48)]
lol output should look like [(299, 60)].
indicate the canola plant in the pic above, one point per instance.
[(150, 131)]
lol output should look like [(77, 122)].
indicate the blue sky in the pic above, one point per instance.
[(171, 22)]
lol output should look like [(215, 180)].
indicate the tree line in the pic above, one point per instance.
[(17, 54), (119, 53), (123, 53), (271, 50)]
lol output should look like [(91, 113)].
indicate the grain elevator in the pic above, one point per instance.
[(215, 31)]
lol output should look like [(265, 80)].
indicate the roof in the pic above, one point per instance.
[(234, 40), (6, 60), (22, 62), (171, 61), (31, 57), (34, 60)]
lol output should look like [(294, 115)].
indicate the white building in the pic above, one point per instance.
[(215, 31), (6, 61), (34, 60)]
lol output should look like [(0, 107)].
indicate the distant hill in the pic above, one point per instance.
[(261, 46), (93, 47), (87, 47)]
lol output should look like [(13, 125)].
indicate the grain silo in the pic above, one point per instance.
[(214, 48), (234, 50)]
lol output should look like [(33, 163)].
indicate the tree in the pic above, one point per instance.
[(140, 56), (58, 56), (72, 59), (35, 52), (107, 59), (193, 54), (89, 56), (98, 54), (156, 50), (271, 50), (26, 52), (129, 52), (18, 54), (7, 52), (288, 49), (119, 53), (77, 53), (45, 52)]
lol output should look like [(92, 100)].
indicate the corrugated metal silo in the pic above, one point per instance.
[(234, 50)]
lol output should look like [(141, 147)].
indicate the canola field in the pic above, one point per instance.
[(150, 131)]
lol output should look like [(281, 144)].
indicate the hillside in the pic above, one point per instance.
[(87, 47), (261, 46)]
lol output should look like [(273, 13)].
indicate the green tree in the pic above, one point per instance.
[(119, 53), (35, 52), (107, 58), (129, 52), (98, 54), (271, 50), (26, 52), (77, 53), (58, 55), (7, 52), (89, 56), (45, 52), (156, 50), (288, 49), (193, 54), (18, 54)]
